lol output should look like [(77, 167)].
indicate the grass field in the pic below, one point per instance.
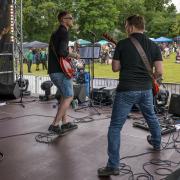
[(171, 70)]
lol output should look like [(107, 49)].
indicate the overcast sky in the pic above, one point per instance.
[(177, 3)]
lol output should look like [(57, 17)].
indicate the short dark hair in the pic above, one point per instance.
[(61, 15), (137, 21)]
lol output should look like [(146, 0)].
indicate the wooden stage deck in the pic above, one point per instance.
[(75, 156)]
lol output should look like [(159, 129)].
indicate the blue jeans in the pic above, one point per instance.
[(122, 106), (64, 85)]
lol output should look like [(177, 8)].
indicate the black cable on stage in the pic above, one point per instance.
[(164, 164), (42, 137), (24, 102), (47, 138), (8, 118), (2, 156), (22, 134), (163, 174)]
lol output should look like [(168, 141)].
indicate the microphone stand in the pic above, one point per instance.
[(91, 71)]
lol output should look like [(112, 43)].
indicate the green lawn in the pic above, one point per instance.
[(171, 70)]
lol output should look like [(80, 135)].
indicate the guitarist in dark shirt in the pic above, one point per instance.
[(135, 87), (58, 47)]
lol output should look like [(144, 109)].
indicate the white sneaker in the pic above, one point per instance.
[(87, 98)]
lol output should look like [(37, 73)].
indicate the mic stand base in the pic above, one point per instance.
[(90, 105)]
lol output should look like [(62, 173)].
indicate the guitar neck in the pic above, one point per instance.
[(109, 38)]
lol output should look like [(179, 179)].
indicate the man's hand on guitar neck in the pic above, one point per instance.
[(74, 55), (78, 56)]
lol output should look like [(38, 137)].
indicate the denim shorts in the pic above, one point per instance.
[(63, 84)]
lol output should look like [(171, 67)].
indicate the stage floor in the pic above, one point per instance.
[(78, 154)]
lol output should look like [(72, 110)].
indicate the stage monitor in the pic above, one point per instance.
[(90, 52)]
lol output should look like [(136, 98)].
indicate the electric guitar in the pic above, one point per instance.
[(155, 85), (67, 67), (109, 38), (4, 31)]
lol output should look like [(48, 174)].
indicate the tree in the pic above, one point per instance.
[(96, 16), (39, 19), (99, 16)]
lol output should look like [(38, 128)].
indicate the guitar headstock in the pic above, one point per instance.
[(109, 38), (5, 31)]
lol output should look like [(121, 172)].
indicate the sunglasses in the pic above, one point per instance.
[(68, 18)]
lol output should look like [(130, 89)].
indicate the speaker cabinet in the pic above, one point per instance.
[(10, 91), (79, 92), (174, 105), (104, 95)]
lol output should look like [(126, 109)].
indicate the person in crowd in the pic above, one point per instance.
[(58, 47), (135, 87), (37, 59), (29, 57), (166, 51), (174, 47), (43, 59), (178, 55)]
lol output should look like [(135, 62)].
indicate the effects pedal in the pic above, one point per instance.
[(165, 129)]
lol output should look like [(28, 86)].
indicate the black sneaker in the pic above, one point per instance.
[(68, 126), (107, 171), (156, 148), (55, 129)]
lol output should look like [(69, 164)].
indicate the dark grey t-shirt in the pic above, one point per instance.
[(133, 74)]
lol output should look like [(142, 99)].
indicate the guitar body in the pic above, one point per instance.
[(67, 67), (155, 88)]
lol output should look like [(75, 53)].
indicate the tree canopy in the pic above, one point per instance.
[(99, 16)]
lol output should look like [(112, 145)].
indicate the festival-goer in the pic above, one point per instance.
[(29, 57), (43, 59)]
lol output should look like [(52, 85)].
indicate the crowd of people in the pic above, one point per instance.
[(36, 56), (168, 48)]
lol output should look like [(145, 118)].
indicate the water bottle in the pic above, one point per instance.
[(74, 103)]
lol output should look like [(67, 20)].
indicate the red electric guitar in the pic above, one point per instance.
[(109, 38), (155, 84), (67, 67)]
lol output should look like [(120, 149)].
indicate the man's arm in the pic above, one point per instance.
[(116, 65), (158, 69)]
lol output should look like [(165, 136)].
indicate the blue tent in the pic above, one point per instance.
[(83, 42), (152, 39), (163, 39), (102, 42), (35, 44), (177, 38)]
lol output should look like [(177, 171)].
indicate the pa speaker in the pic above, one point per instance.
[(80, 92), (174, 105), (10, 91), (174, 176)]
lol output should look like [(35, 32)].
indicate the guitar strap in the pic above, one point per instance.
[(143, 56)]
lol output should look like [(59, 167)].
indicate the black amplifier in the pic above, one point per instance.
[(103, 95)]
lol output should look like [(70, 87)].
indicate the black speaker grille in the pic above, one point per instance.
[(174, 105)]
